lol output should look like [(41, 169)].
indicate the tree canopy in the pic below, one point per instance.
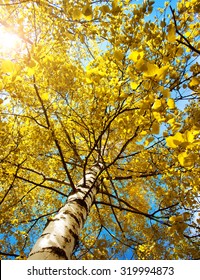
[(106, 81)]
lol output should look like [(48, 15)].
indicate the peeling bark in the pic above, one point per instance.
[(61, 233)]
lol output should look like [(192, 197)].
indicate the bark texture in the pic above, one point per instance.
[(61, 233)]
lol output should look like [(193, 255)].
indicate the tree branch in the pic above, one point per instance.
[(187, 42), (9, 254), (41, 185)]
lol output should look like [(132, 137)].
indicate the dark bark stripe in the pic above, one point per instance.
[(57, 251), (90, 195), (43, 234), (71, 215), (81, 216), (91, 172), (75, 236), (83, 192), (81, 202), (81, 185), (67, 240), (90, 181)]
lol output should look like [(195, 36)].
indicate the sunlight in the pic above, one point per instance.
[(8, 41)]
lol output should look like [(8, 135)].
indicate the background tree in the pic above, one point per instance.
[(101, 82)]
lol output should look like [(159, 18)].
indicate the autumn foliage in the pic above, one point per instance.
[(114, 82)]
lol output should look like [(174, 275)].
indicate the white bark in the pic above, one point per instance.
[(61, 234)]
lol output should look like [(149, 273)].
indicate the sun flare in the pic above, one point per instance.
[(8, 41)]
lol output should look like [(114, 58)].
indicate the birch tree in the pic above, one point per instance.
[(61, 233), (99, 139)]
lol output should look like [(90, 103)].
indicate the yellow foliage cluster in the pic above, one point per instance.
[(100, 82)]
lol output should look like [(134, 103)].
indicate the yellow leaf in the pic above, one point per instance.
[(76, 14), (45, 96), (143, 133), (157, 116), (181, 158), (88, 81), (185, 159), (1, 85), (134, 85), (149, 140), (141, 65), (142, 248), (151, 71), (118, 55), (14, 221), (189, 136), (165, 133), (181, 227), (87, 12), (194, 82), (171, 37), (155, 128), (120, 96), (105, 9), (115, 8), (162, 72), (135, 56), (177, 224), (176, 219), (174, 141), (180, 51), (166, 93), (69, 36), (146, 84), (171, 121), (31, 71), (7, 66), (163, 23), (171, 103), (186, 215), (157, 105), (32, 63)]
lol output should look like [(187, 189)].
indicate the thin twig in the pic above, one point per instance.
[(187, 42)]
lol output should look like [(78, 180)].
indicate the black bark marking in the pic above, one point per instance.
[(91, 172), (72, 192), (50, 220), (67, 240), (90, 194), (90, 181), (81, 185), (83, 192), (82, 217), (81, 202), (57, 251), (75, 236), (71, 215), (44, 234)]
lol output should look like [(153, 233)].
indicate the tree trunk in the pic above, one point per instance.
[(61, 233)]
